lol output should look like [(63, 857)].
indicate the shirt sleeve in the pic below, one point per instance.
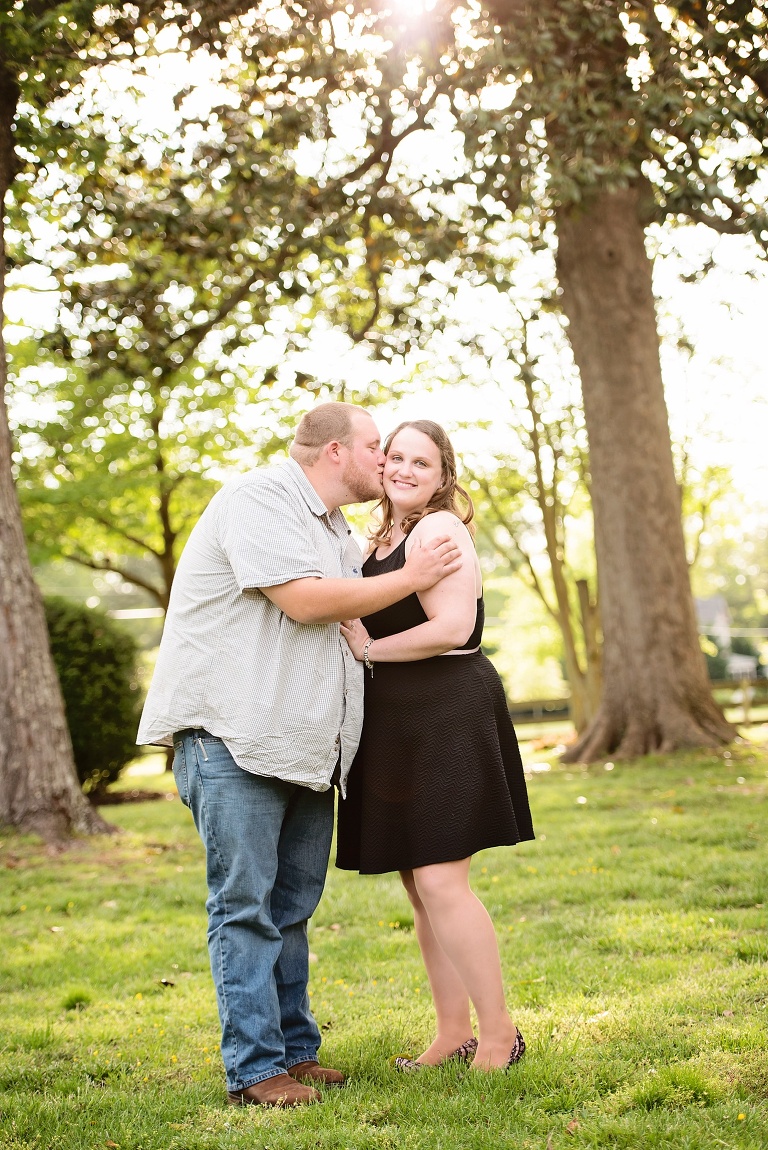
[(266, 538)]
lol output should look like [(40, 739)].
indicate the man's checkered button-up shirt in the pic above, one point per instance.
[(285, 697)]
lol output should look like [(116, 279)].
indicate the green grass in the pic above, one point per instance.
[(634, 948)]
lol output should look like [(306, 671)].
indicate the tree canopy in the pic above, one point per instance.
[(582, 119)]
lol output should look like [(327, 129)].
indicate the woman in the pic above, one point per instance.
[(438, 774)]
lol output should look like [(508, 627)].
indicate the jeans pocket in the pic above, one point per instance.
[(180, 773)]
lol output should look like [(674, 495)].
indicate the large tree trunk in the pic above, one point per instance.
[(39, 788), (656, 695)]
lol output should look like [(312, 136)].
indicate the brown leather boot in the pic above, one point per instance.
[(314, 1072), (281, 1090)]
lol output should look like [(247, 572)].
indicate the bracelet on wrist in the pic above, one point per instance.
[(366, 660)]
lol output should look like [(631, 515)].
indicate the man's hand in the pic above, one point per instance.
[(431, 561), (319, 600)]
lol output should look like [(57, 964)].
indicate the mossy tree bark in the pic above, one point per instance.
[(656, 694)]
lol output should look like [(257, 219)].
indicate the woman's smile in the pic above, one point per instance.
[(413, 469)]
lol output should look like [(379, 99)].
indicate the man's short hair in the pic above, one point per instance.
[(326, 423)]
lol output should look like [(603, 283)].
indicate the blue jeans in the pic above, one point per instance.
[(267, 844)]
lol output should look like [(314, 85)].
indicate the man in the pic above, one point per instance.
[(262, 700)]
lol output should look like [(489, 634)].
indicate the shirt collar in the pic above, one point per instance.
[(307, 491)]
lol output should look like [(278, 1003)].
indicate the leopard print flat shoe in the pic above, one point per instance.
[(462, 1053), (517, 1052)]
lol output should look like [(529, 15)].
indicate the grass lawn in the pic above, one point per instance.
[(634, 947)]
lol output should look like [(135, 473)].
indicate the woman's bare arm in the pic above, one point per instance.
[(450, 614)]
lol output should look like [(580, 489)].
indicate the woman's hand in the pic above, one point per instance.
[(356, 635)]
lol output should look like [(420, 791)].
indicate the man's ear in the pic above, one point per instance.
[(333, 450)]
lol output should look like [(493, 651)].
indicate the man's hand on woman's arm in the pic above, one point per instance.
[(316, 600)]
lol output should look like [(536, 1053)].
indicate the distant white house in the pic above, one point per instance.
[(742, 666), (714, 618)]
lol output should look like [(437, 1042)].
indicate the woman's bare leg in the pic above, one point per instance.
[(454, 1025), (463, 931)]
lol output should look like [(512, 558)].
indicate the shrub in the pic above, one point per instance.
[(96, 664)]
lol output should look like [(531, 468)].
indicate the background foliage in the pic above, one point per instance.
[(96, 661)]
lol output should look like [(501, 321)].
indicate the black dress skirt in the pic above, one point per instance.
[(438, 774)]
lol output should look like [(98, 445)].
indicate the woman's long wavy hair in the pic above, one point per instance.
[(448, 496)]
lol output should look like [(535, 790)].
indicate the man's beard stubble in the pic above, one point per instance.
[(362, 486)]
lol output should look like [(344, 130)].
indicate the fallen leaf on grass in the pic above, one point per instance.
[(573, 1126)]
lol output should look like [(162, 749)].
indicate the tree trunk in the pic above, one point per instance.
[(581, 713), (656, 694), (590, 627), (548, 500), (39, 788)]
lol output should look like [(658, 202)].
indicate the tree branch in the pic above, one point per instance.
[(374, 279), (129, 538), (717, 223), (107, 565), (535, 582), (501, 519), (198, 332)]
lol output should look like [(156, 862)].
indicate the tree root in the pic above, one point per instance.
[(56, 825), (628, 737)]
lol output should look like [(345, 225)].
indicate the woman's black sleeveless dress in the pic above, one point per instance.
[(438, 774)]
